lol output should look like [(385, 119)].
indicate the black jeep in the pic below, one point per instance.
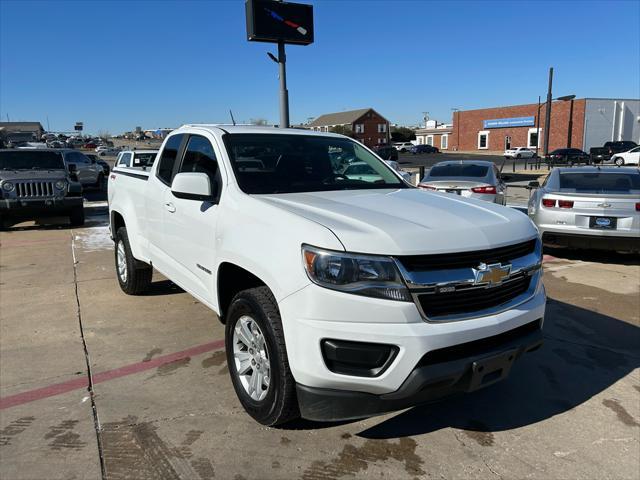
[(36, 184)]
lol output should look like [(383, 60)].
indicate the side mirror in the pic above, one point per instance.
[(193, 186), (534, 184)]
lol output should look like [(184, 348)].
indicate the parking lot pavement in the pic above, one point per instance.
[(166, 407)]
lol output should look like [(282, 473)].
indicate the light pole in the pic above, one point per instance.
[(538, 128), (570, 123), (547, 119)]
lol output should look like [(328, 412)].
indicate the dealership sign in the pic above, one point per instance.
[(509, 122), (273, 21)]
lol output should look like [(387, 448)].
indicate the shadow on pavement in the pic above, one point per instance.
[(600, 256), (584, 353), (163, 287)]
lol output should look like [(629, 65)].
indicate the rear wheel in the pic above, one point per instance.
[(133, 275), (76, 217), (257, 358)]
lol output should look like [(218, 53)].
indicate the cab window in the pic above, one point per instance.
[(200, 157), (168, 159)]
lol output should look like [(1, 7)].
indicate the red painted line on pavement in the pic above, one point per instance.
[(78, 383)]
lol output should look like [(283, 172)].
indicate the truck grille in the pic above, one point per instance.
[(472, 299), (34, 189), (503, 255)]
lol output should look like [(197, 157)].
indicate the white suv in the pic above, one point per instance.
[(342, 297), (403, 146)]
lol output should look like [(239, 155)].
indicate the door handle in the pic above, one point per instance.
[(170, 207)]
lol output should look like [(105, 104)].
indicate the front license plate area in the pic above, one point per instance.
[(603, 223), (487, 371)]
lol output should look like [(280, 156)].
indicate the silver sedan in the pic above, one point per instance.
[(476, 179), (589, 207)]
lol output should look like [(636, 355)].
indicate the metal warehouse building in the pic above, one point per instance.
[(579, 123)]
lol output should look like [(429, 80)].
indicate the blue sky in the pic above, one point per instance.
[(119, 64)]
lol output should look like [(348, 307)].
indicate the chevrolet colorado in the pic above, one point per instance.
[(342, 297)]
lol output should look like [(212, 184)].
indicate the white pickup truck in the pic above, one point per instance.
[(342, 298)]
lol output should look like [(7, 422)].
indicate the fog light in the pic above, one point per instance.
[(357, 358)]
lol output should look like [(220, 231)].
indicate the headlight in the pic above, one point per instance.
[(368, 275), (7, 186), (61, 184)]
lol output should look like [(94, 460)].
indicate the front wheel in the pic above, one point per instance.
[(133, 275), (257, 358), (619, 161)]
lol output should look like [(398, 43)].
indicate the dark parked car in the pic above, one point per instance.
[(619, 146), (90, 145), (387, 152), (36, 184), (603, 154), (95, 159), (567, 156), (424, 149)]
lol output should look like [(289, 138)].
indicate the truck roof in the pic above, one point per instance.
[(256, 129)]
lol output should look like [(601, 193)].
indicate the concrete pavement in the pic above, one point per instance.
[(166, 408)]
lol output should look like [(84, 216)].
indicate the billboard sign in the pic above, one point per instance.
[(78, 126), (509, 122), (273, 22)]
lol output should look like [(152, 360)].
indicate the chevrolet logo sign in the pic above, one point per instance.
[(492, 274)]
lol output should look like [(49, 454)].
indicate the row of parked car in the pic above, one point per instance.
[(618, 153)]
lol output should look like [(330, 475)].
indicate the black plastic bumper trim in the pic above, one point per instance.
[(424, 384)]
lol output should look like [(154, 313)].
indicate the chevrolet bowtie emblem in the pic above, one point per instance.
[(492, 274)]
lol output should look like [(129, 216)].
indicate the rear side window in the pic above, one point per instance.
[(200, 157), (125, 160), (599, 182), (168, 159)]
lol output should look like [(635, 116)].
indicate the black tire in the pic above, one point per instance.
[(518, 156), (619, 161), (101, 184), (280, 404), (76, 217), (138, 274)]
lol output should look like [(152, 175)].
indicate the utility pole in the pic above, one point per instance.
[(547, 117)]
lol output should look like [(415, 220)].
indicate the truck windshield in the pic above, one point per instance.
[(600, 182), (281, 163), (30, 160)]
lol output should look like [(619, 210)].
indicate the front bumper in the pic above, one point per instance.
[(38, 207), (314, 313), (440, 373)]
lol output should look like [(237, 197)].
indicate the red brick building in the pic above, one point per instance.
[(365, 125), (495, 129)]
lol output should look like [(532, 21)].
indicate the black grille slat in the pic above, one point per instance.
[(472, 300), (467, 259), (34, 189)]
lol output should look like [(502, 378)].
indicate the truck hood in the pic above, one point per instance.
[(52, 175), (408, 221)]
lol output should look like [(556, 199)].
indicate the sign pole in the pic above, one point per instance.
[(284, 93)]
